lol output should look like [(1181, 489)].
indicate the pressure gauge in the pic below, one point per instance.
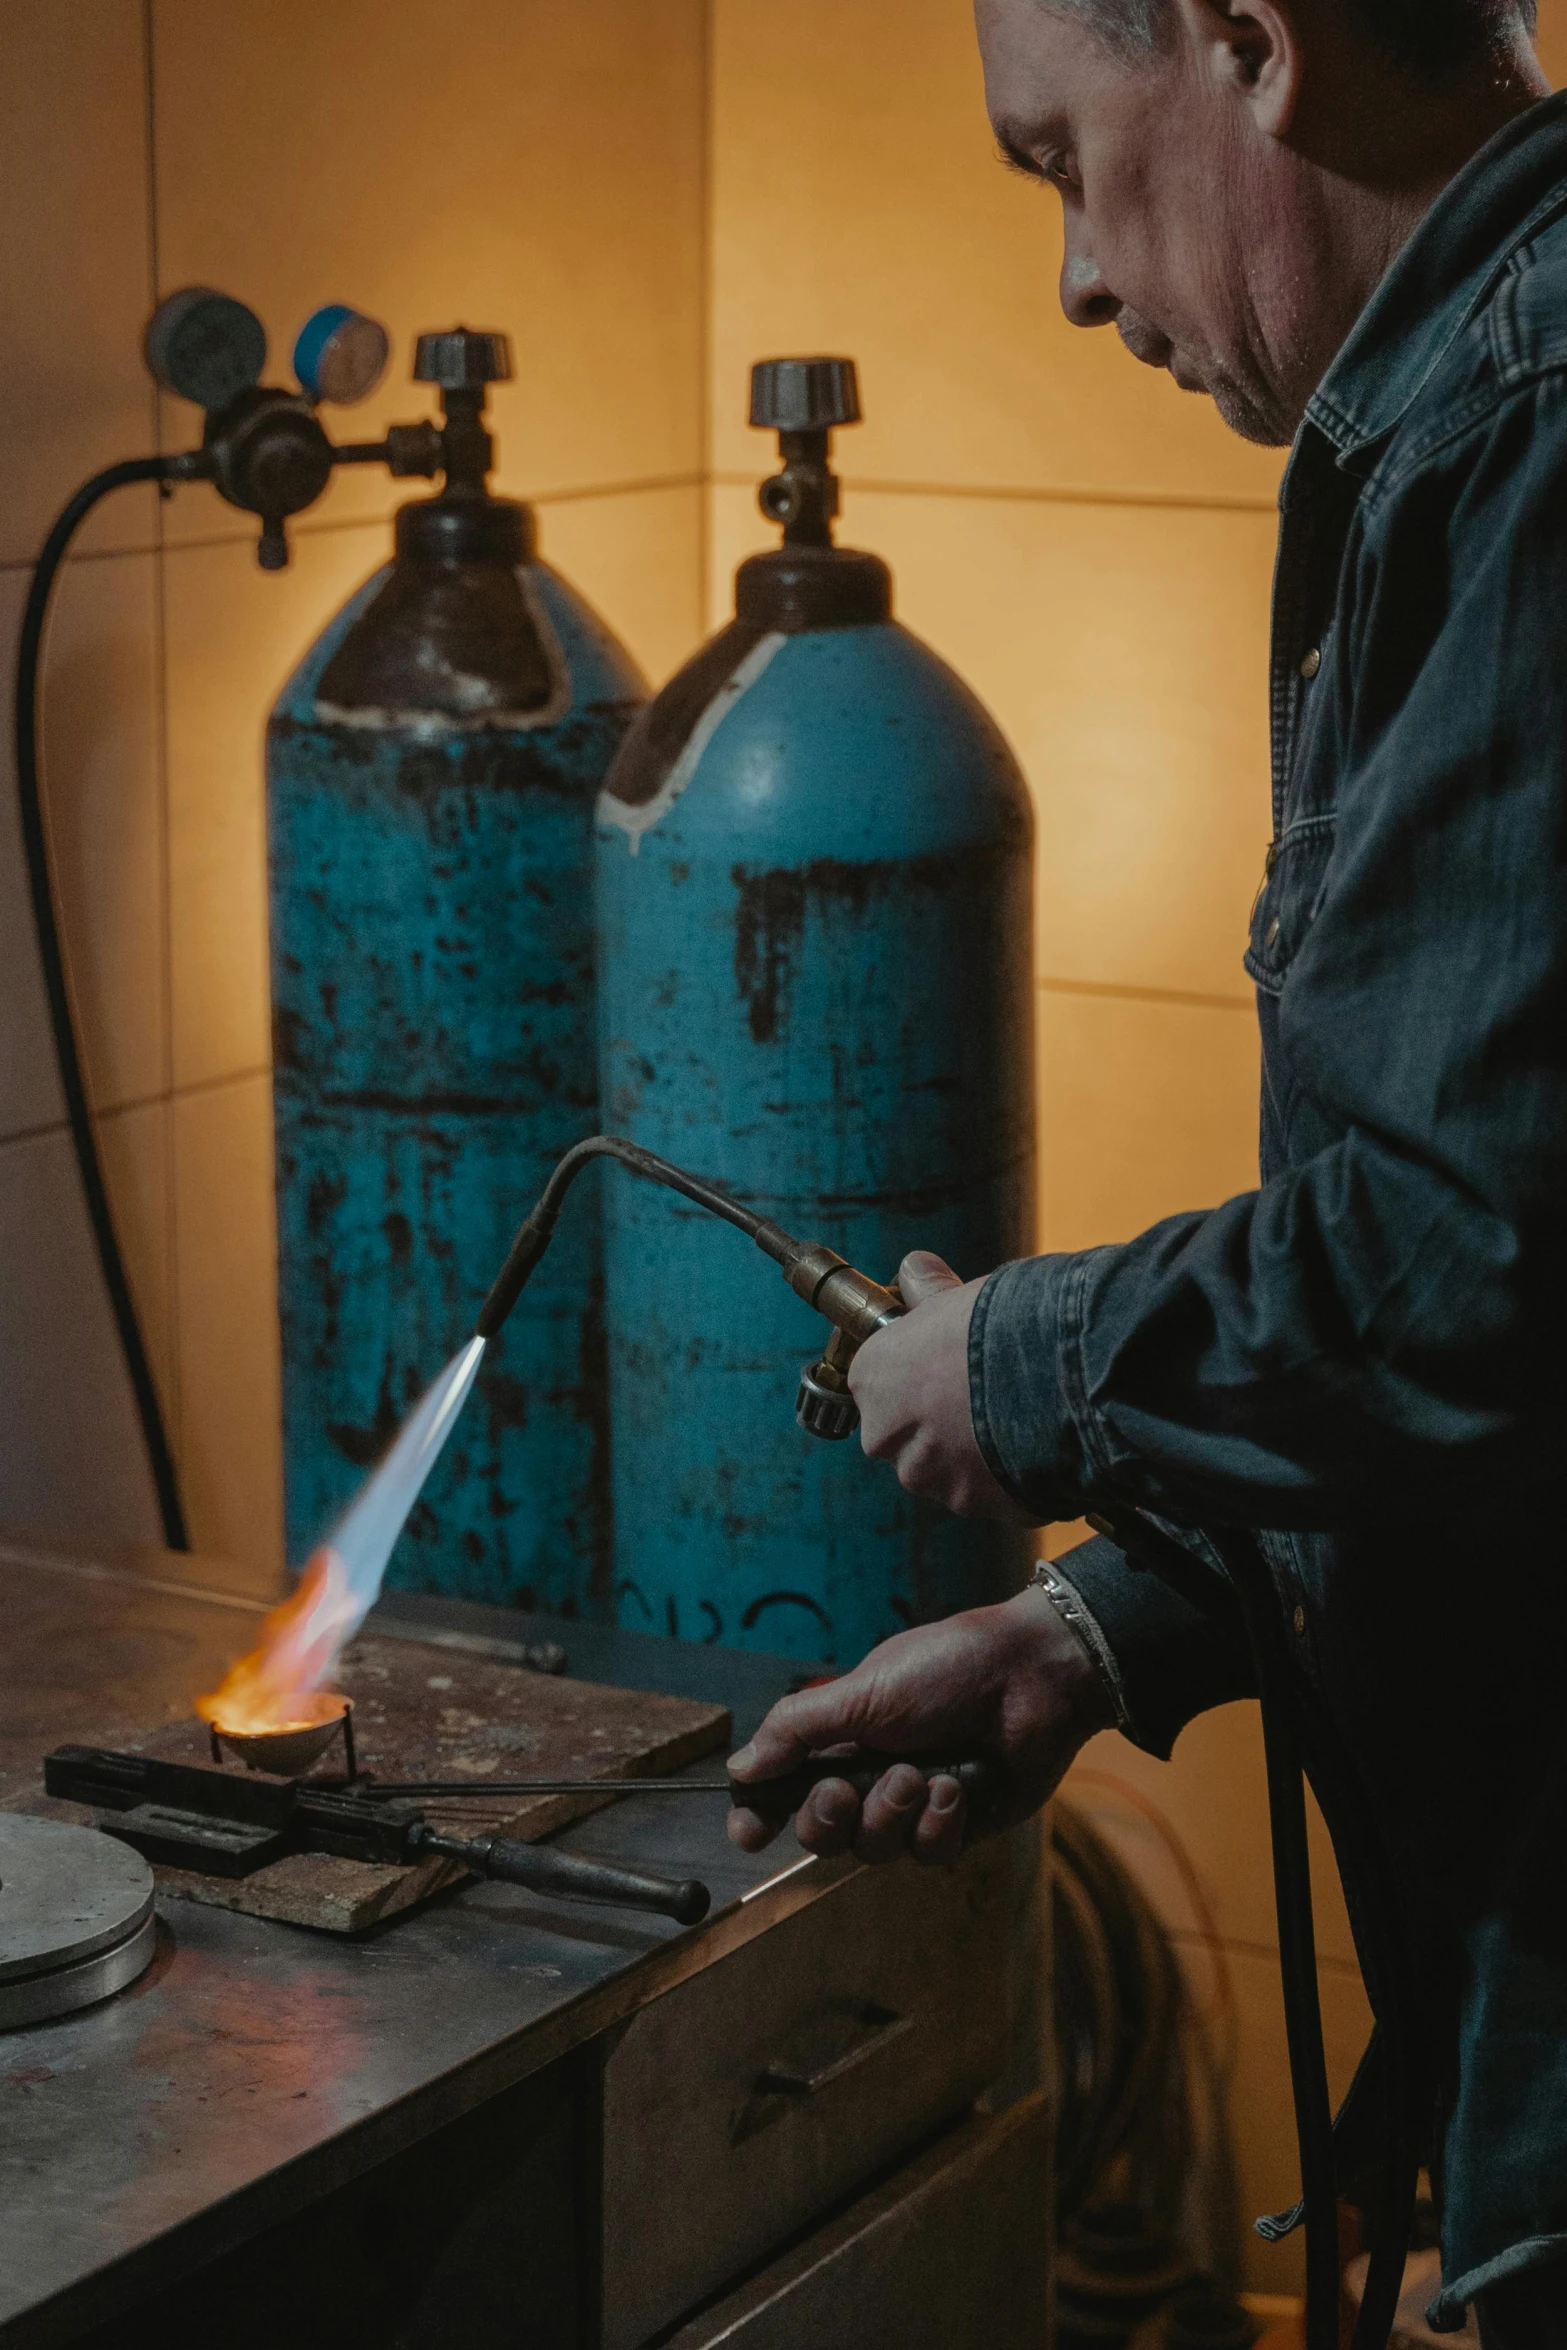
[(205, 346), (340, 355)]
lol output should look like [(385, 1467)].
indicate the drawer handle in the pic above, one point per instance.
[(804, 2078)]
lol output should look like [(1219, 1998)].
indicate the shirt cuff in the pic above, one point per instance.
[(1171, 1661), (1021, 1383)]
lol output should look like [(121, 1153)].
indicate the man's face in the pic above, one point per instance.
[(1177, 208)]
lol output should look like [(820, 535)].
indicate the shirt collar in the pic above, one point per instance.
[(1503, 195)]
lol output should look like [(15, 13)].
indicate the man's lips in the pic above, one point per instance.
[(1144, 341), (1156, 350)]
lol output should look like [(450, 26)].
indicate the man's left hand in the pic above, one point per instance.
[(911, 1383)]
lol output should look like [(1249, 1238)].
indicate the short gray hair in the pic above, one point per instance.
[(1428, 37)]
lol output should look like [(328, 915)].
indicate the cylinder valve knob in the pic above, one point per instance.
[(464, 359), (804, 395)]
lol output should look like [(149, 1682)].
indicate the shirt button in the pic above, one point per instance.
[(1272, 933), (1299, 1621), (1311, 664)]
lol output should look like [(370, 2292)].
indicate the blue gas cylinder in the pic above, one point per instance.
[(815, 901), (432, 767)]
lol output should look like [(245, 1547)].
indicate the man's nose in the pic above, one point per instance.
[(1085, 297)]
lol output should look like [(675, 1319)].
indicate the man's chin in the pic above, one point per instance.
[(1246, 417)]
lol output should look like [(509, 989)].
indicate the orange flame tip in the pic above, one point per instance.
[(278, 1686)]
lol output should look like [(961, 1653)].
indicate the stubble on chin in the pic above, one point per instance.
[(1251, 418)]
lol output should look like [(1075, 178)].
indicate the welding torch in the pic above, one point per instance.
[(855, 1305)]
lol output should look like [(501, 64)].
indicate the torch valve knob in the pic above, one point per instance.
[(824, 1407)]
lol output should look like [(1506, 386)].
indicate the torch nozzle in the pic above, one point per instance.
[(512, 1280)]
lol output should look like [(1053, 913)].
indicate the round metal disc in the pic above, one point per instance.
[(33, 1999), (67, 1895)]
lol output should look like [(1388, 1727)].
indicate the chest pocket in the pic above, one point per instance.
[(1290, 899)]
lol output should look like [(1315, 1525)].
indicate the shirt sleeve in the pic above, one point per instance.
[(1376, 1332), (1167, 1662)]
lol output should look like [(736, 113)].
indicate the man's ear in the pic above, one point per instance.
[(1253, 49)]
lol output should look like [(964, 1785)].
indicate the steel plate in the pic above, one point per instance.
[(66, 1895)]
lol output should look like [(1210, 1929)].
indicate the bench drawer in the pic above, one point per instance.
[(747, 2101), (951, 2254)]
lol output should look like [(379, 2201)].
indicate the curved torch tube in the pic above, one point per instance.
[(852, 1302)]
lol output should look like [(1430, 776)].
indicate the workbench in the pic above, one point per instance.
[(809, 2121)]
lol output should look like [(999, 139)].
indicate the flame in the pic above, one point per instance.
[(278, 1686)]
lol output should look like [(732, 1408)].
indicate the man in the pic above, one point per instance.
[(1346, 222)]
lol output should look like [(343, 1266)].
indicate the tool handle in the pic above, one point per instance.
[(777, 1800), (544, 1870)]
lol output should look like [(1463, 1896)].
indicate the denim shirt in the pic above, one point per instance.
[(1367, 1356)]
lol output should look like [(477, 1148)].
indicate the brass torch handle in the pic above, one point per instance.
[(853, 1303)]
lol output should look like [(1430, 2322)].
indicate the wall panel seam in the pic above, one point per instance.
[(1021, 494), (643, 485), (164, 1098), (1125, 992)]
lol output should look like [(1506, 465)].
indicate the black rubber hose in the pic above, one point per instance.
[(1379, 1929), (46, 921), (1295, 1723), (1297, 1939), (1250, 1590)]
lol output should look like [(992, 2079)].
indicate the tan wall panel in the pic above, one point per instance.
[(230, 1430), (1125, 654), (1145, 1109), (73, 1464), (534, 165), (75, 267), (29, 1094), (1212, 1798), (1262, 2112), (136, 1148), (103, 807), (103, 791), (858, 206), (638, 559), (1552, 39)]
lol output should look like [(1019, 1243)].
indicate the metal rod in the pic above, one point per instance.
[(480, 1787)]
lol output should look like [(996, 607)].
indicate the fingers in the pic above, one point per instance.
[(902, 1814), (810, 1721), (922, 1274), (749, 1830), (799, 1726), (890, 1813), (939, 1831)]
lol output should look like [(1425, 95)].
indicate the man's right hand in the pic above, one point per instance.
[(1013, 1683)]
